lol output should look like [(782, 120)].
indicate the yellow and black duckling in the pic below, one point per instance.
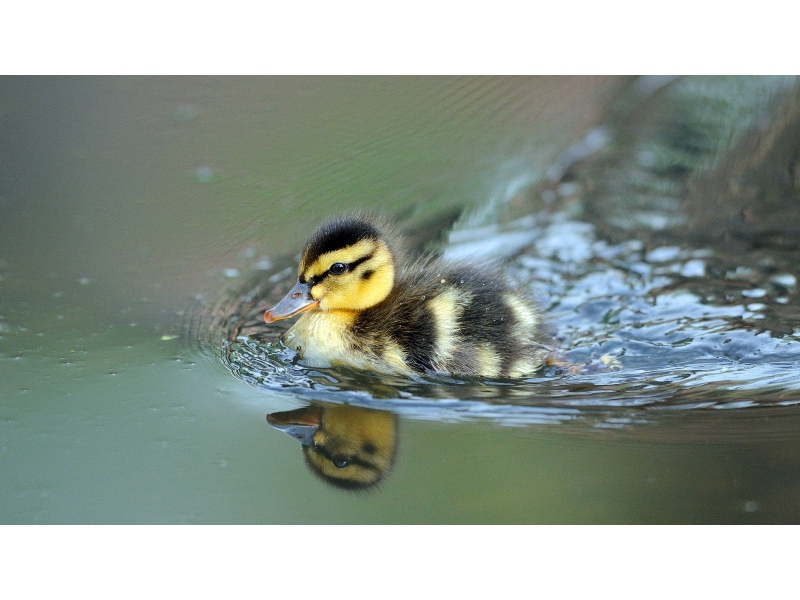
[(346, 446), (363, 307)]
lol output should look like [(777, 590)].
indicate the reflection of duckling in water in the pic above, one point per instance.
[(363, 308), (347, 446)]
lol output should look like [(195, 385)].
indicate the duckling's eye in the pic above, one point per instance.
[(338, 268), (340, 462)]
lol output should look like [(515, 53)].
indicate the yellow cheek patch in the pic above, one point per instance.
[(376, 286)]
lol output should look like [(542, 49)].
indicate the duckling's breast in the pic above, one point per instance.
[(325, 338), (320, 338)]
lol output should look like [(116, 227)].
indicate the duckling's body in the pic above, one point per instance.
[(362, 309)]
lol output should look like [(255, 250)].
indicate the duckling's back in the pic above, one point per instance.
[(454, 318)]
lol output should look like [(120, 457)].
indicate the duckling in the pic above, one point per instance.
[(346, 446), (361, 305)]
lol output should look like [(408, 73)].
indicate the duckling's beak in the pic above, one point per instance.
[(296, 301), (301, 423)]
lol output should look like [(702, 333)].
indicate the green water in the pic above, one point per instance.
[(126, 203)]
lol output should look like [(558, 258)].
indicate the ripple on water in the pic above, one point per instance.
[(672, 347)]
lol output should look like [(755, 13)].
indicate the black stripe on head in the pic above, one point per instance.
[(350, 266), (337, 234)]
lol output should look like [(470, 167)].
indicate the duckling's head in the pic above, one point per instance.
[(346, 446), (347, 264)]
